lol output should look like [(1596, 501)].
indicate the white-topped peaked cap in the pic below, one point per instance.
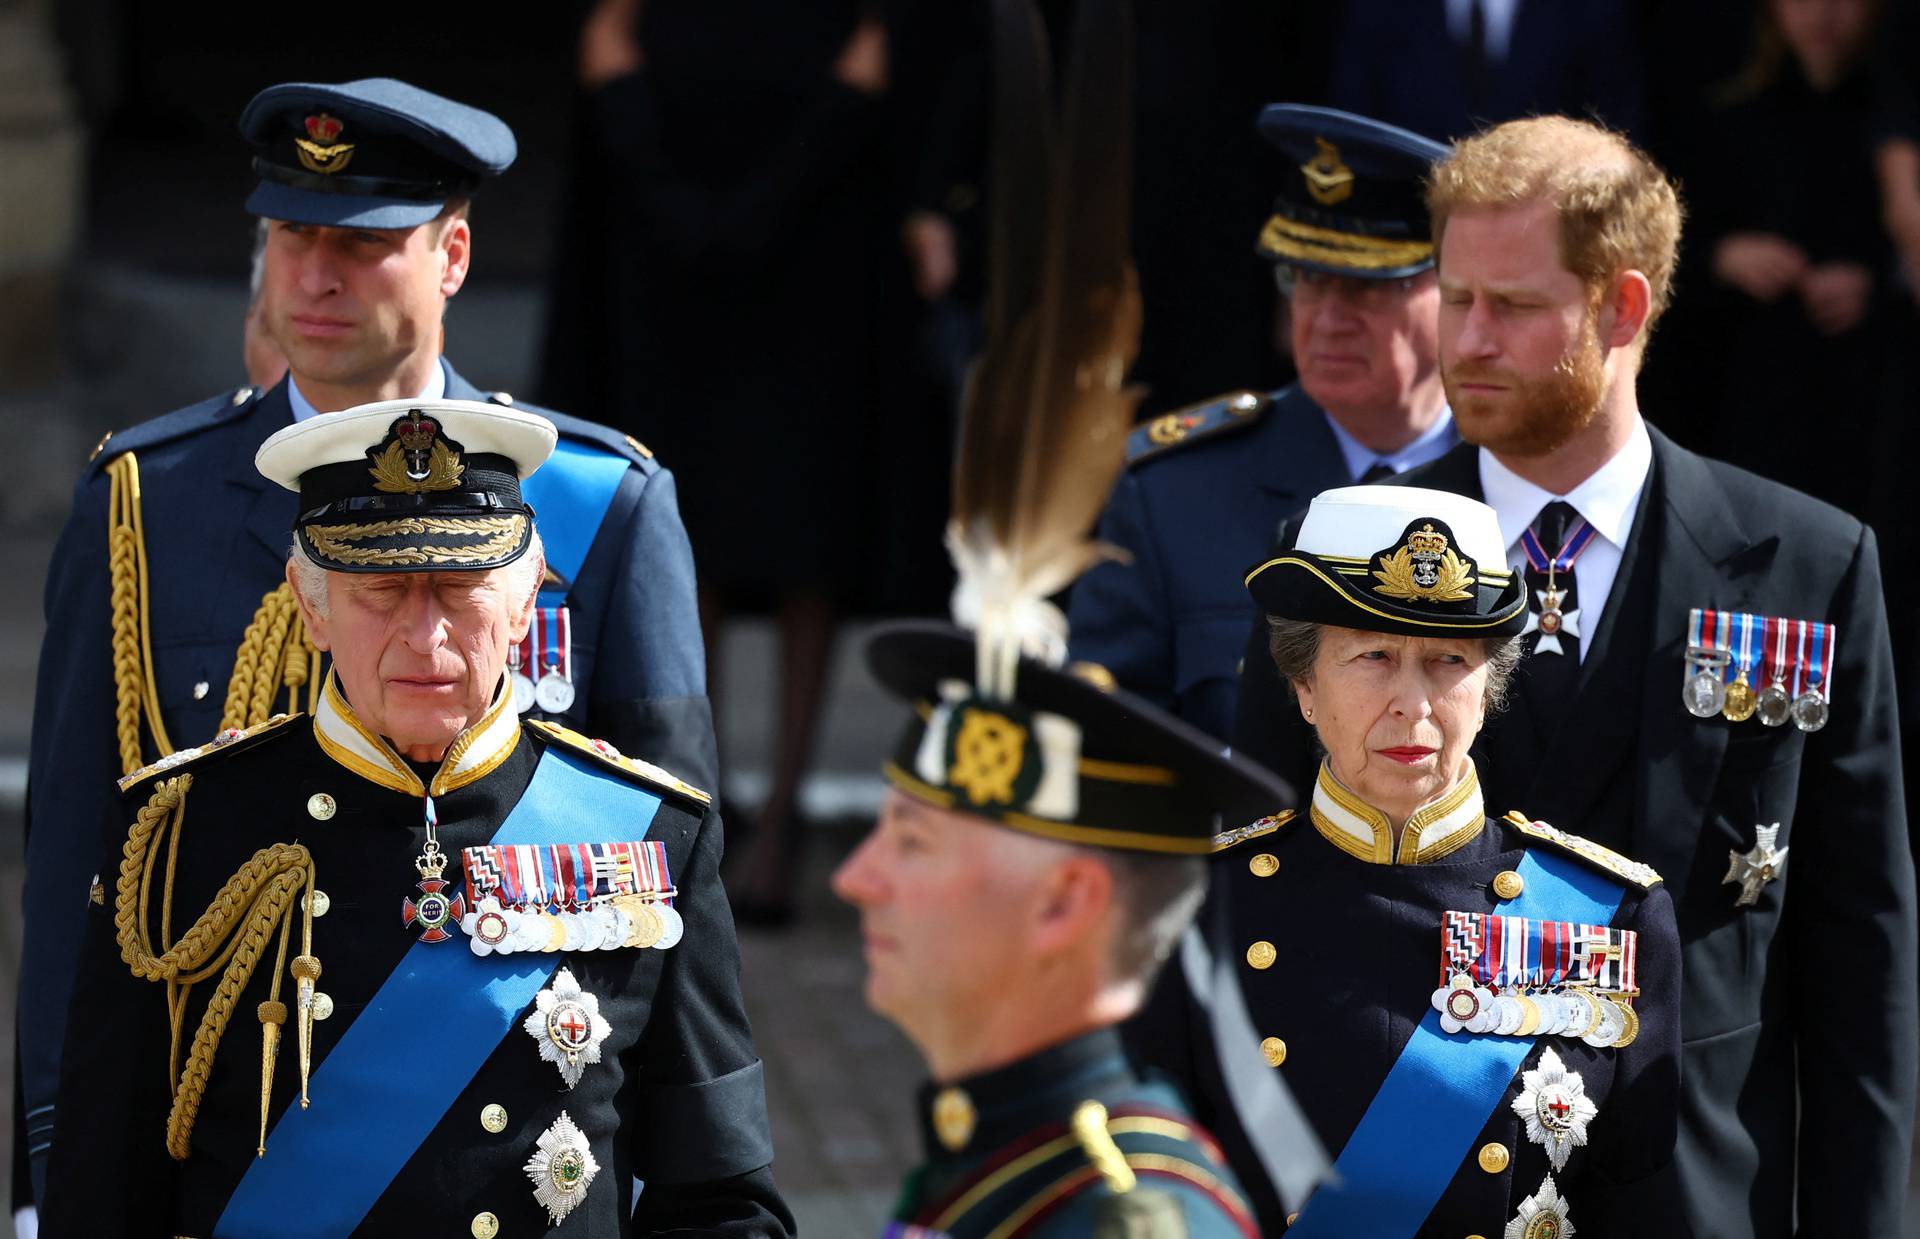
[(1395, 559), (526, 439), (411, 485)]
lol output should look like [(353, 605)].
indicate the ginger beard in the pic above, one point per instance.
[(1534, 416)]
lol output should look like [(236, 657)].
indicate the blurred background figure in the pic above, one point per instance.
[(1446, 68), (265, 364)]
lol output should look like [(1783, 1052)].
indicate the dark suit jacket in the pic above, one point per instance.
[(217, 534), (1169, 624), (1397, 62), (1764, 1026)]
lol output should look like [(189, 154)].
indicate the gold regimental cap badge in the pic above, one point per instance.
[(1424, 568), (1329, 179), (321, 150), (415, 457)]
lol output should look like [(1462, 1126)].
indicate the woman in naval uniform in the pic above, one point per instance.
[(1477, 1014)]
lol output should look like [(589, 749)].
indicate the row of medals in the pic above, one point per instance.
[(553, 694), (1707, 693), (616, 923), (1598, 1018)]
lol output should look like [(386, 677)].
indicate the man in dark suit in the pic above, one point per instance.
[(1446, 67), (174, 537), (1207, 486), (1789, 1096)]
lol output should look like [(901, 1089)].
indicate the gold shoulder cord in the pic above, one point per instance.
[(275, 654), (227, 939), (1090, 1129), (133, 686)]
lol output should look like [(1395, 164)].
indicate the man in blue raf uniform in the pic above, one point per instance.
[(166, 618), (1207, 487), (1710, 685), (1479, 1014), (412, 963), (1035, 861)]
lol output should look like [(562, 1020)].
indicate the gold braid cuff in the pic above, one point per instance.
[(228, 939)]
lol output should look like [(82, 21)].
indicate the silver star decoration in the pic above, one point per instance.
[(562, 1167), (1549, 642), (1554, 1104), (567, 1026), (1543, 1213), (1754, 869)]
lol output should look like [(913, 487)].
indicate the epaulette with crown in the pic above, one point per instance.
[(1195, 422), (1595, 854), (231, 740), (639, 771)]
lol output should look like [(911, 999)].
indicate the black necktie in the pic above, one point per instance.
[(1379, 470), (1552, 668)]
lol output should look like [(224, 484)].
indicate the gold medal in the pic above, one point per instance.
[(556, 934), (1529, 1017), (1740, 703), (1630, 1019), (647, 924)]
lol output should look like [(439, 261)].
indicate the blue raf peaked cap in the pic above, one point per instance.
[(1354, 203), (376, 153)]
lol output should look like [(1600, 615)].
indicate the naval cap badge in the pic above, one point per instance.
[(1425, 567)]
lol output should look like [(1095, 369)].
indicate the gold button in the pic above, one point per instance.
[(1292, 1218), (485, 1226), (320, 806), (493, 1117), (1275, 1050), (1261, 955), (1494, 1157), (320, 902), (1265, 865), (322, 1006), (1508, 884)]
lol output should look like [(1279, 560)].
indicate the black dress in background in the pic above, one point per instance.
[(723, 287)]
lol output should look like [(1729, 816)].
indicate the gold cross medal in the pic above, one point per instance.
[(562, 1168), (567, 1026)]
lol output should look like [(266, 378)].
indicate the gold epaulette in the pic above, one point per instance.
[(1252, 830), (1195, 422), (1595, 854), (231, 740), (640, 771)]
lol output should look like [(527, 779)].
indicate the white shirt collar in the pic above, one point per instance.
[(1432, 444), (303, 408), (1607, 499)]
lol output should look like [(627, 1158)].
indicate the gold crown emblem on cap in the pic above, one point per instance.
[(318, 151), (415, 458), (1424, 569), (1329, 179)]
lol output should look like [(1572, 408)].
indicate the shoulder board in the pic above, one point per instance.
[(1253, 830), (642, 772), (1195, 422), (583, 431), (213, 411), (1595, 854), (230, 741)]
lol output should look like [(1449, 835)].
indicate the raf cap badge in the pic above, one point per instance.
[(321, 151), (1329, 179)]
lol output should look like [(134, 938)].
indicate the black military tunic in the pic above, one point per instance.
[(1069, 1142), (1337, 955), (675, 1099)]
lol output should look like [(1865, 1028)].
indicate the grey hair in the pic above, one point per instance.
[(523, 575), (257, 265), (1295, 644), (1155, 898)]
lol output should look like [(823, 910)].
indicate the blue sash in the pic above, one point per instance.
[(326, 1166), (1436, 1099), (570, 495)]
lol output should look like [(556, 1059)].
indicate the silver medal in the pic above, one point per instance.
[(1608, 1030), (1705, 691), (554, 693), (522, 693), (1774, 706), (567, 1026), (562, 1168), (673, 927), (1810, 710), (1507, 1013)]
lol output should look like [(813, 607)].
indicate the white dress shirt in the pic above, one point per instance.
[(1431, 445), (1607, 500), (303, 408)]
